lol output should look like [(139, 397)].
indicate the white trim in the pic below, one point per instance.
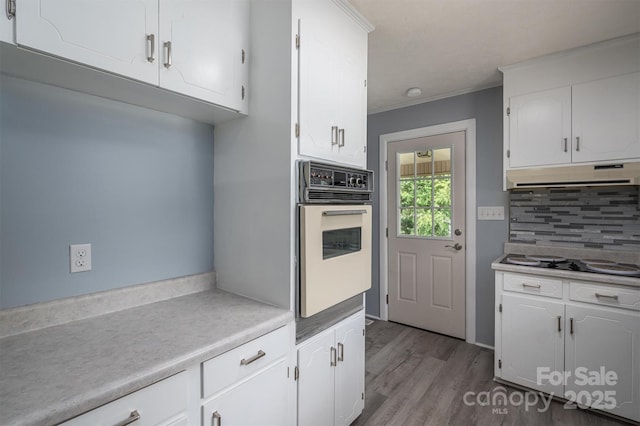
[(469, 126), (482, 345)]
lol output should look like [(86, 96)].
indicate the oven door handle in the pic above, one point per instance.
[(343, 212)]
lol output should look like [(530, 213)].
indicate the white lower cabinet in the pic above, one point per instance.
[(164, 403), (606, 342), (582, 343), (251, 384), (331, 375)]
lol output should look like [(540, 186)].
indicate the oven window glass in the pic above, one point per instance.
[(424, 193), (339, 242)]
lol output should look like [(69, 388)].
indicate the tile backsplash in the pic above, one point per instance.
[(587, 217)]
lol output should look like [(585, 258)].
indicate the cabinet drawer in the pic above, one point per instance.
[(232, 366), (620, 297), (163, 403), (531, 284)]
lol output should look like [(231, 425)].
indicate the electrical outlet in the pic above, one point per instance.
[(80, 257)]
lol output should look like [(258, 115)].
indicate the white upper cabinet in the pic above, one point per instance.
[(579, 106), (605, 119), (540, 128), (116, 38), (332, 83), (203, 55), (194, 48)]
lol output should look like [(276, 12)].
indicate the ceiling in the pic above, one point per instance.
[(449, 47)]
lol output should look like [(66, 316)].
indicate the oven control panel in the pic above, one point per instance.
[(331, 178)]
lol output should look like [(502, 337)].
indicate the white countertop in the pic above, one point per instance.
[(568, 275), (55, 373)]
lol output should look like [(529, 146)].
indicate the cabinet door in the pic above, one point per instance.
[(532, 339), (318, 79), (352, 75), (316, 381), (260, 400), (603, 340), (349, 386), (100, 33), (606, 119), (202, 55), (540, 128)]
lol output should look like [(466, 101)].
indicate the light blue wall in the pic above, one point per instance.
[(486, 107), (136, 184)]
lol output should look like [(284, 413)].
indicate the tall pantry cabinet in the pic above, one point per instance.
[(255, 173)]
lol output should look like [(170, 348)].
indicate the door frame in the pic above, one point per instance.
[(468, 126)]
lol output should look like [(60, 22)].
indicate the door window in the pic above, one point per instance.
[(424, 193), (339, 242)]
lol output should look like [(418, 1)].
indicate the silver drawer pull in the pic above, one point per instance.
[(334, 361), (216, 419), (340, 352), (343, 212), (334, 135), (607, 296), (167, 48), (531, 285), (257, 356), (133, 417)]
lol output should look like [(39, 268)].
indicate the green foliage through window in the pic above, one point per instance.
[(425, 204)]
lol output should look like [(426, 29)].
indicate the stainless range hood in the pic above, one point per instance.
[(593, 175)]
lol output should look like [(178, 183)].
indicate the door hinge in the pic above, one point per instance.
[(500, 307), (386, 165), (499, 363), (508, 111), (243, 92), (243, 55), (508, 153), (11, 8), (387, 299), (363, 331), (287, 372), (386, 231), (297, 41), (365, 148), (365, 83), (363, 396), (297, 130), (296, 373)]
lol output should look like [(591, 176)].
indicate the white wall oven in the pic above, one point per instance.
[(334, 235)]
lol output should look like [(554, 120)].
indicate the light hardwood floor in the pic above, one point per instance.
[(414, 377)]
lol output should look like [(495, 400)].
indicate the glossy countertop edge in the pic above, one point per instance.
[(569, 275), (31, 399)]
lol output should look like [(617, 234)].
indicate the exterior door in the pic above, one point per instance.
[(426, 210)]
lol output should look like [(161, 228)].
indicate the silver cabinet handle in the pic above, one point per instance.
[(577, 143), (343, 212), (334, 135), (167, 48), (340, 352), (607, 296), (341, 137), (151, 39), (257, 356), (333, 357), (11, 8), (457, 246), (565, 144), (216, 419), (531, 285), (570, 325), (133, 417), (559, 323)]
